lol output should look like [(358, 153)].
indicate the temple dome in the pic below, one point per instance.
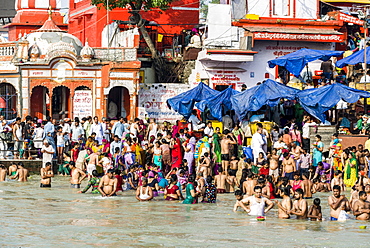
[(87, 52)]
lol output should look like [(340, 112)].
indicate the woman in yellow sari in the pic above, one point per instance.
[(351, 171), (337, 158)]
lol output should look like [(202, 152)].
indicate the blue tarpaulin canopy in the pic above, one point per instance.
[(216, 102), (268, 93), (296, 61), (317, 101), (184, 102), (355, 58)]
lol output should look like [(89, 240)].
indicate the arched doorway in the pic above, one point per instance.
[(40, 102), (118, 103), (8, 101), (60, 103)]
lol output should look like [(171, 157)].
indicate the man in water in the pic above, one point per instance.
[(286, 204), (3, 172), (314, 213), (21, 174), (361, 208), (46, 175), (220, 181), (226, 141), (306, 186), (300, 207), (108, 184), (93, 159), (337, 203), (257, 203), (289, 166), (77, 175)]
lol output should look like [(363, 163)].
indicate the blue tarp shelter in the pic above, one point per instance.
[(268, 93), (296, 61), (184, 102), (355, 58), (317, 101), (216, 102)]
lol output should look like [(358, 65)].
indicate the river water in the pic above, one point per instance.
[(59, 217)]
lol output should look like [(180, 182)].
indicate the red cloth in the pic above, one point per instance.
[(176, 154), (264, 171), (75, 153), (119, 182)]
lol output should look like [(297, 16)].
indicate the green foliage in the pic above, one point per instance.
[(134, 5), (204, 7)]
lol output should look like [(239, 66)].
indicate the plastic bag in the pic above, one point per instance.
[(343, 216)]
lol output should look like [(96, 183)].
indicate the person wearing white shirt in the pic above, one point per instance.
[(195, 122), (97, 128), (306, 132), (257, 143), (47, 153), (209, 130), (116, 143), (77, 131), (227, 122), (365, 78)]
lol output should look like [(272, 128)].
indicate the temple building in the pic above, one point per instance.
[(46, 71)]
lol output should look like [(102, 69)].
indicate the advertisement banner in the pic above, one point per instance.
[(82, 103)]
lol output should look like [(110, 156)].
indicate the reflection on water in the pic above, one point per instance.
[(58, 217)]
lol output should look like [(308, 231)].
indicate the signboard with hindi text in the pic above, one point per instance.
[(152, 101), (82, 103)]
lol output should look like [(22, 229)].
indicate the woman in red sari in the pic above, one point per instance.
[(106, 147), (176, 152)]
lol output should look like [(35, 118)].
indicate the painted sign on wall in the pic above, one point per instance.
[(82, 103)]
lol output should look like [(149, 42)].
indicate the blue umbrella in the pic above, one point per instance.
[(296, 61), (355, 58), (317, 101)]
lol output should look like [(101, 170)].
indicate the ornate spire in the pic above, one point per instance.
[(49, 25)]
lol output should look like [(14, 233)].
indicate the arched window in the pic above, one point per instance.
[(8, 101)]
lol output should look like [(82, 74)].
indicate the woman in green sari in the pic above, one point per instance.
[(351, 171), (216, 151), (190, 191)]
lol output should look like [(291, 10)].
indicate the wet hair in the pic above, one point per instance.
[(191, 178), (47, 164), (299, 191), (209, 179), (317, 201), (95, 173), (231, 172), (261, 181), (361, 193), (220, 169), (337, 187), (173, 178), (257, 187), (72, 163), (238, 192), (286, 191)]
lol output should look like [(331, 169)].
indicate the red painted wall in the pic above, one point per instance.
[(88, 22)]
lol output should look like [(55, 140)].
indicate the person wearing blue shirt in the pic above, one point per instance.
[(49, 127), (119, 127)]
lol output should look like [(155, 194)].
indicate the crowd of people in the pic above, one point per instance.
[(194, 162)]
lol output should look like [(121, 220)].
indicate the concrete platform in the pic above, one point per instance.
[(32, 166)]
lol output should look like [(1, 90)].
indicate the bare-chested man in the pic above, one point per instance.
[(77, 175), (337, 203), (249, 184), (93, 159), (234, 164), (220, 181), (226, 141), (21, 174), (286, 204), (289, 166), (296, 152), (338, 180), (108, 184), (361, 208), (46, 175), (306, 186), (3, 173), (205, 165), (232, 182), (360, 156), (261, 182), (274, 164), (258, 204), (300, 207)]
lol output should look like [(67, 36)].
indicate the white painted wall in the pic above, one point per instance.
[(305, 9)]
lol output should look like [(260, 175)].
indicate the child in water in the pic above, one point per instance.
[(314, 213)]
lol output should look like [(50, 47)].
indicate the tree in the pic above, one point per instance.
[(135, 8)]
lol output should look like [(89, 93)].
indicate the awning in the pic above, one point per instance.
[(292, 30), (226, 55)]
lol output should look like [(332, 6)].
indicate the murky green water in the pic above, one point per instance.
[(59, 217)]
